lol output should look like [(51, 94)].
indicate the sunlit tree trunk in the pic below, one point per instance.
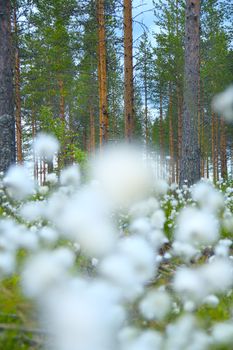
[(213, 146), (17, 91), (102, 75), (7, 120), (171, 139), (92, 129), (223, 153), (128, 71), (190, 159), (161, 133)]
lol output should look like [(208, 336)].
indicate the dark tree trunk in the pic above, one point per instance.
[(7, 121), (128, 70), (190, 155)]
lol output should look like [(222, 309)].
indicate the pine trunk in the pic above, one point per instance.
[(171, 139), (190, 157), (7, 120), (223, 153), (102, 75), (128, 71), (17, 93), (161, 133)]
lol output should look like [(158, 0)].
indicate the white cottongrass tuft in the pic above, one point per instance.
[(196, 227), (18, 182), (223, 103), (70, 176), (45, 146), (123, 174), (45, 270), (155, 305)]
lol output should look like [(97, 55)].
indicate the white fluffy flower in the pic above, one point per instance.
[(18, 182), (155, 305), (83, 315), (70, 176), (85, 218), (123, 174), (223, 333), (45, 270), (196, 227), (158, 219), (223, 103), (136, 340), (7, 263), (141, 254), (45, 146), (207, 196)]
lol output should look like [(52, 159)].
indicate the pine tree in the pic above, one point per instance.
[(7, 121)]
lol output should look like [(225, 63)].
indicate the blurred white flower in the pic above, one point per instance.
[(223, 333), (223, 103), (52, 178), (7, 263), (207, 196), (155, 305), (18, 182), (32, 211), (45, 270), (123, 174), (70, 176), (158, 219), (45, 146), (196, 227), (144, 340)]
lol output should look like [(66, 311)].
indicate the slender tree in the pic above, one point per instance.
[(7, 121), (102, 74), (190, 155), (128, 70)]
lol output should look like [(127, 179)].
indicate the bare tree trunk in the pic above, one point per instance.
[(213, 146), (92, 129), (171, 138), (17, 93), (146, 103), (7, 120), (179, 141), (223, 153), (128, 70), (190, 159), (62, 99), (102, 75), (161, 133)]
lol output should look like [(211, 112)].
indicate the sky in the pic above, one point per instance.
[(143, 12)]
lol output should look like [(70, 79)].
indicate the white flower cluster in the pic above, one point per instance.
[(122, 249)]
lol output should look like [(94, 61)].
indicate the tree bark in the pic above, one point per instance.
[(102, 75), (223, 153), (128, 71), (17, 92), (190, 159), (7, 120), (171, 139), (161, 132)]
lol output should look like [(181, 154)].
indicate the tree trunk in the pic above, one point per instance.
[(92, 129), (213, 146), (128, 71), (190, 158), (17, 93), (171, 139), (161, 133), (146, 104), (7, 121), (179, 132), (102, 74), (223, 153)]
